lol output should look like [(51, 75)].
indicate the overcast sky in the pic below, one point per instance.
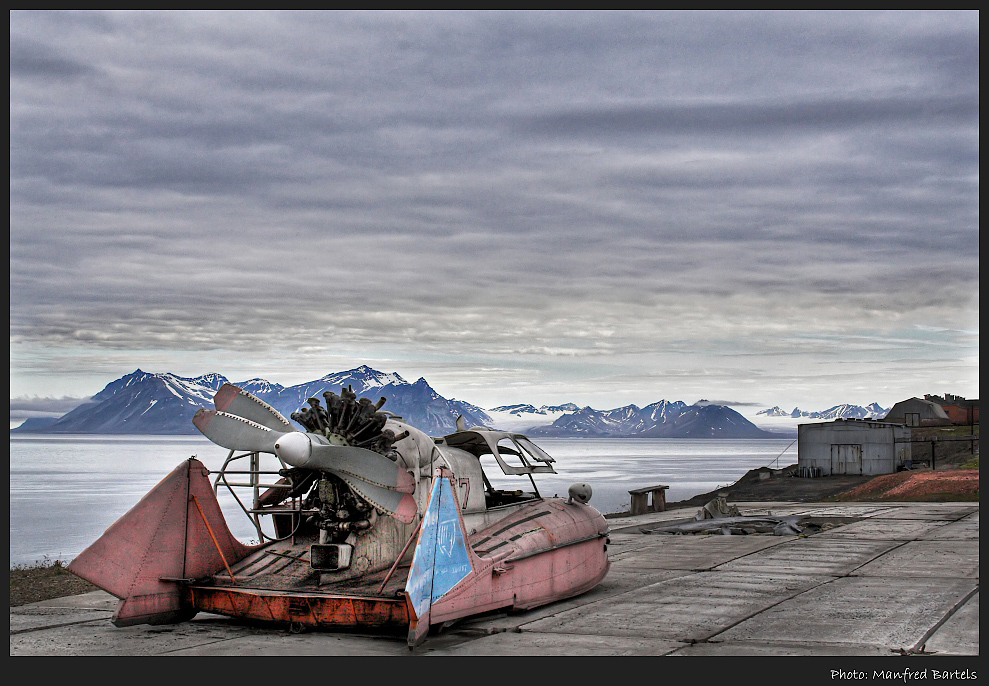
[(600, 208)]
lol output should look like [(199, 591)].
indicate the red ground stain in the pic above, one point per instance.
[(946, 485)]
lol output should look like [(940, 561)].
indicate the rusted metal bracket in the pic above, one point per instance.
[(213, 536)]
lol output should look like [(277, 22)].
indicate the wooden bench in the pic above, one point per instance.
[(642, 502)]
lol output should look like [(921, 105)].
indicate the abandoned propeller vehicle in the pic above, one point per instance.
[(376, 525)]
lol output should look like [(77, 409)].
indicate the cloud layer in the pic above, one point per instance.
[(516, 205)]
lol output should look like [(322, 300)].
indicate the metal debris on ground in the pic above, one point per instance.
[(717, 516), (738, 526), (717, 508)]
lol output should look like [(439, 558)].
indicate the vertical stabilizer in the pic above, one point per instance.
[(441, 559), (175, 532)]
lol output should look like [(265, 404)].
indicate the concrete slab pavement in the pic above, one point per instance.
[(902, 579)]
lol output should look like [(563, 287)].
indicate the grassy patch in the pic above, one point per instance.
[(926, 432)]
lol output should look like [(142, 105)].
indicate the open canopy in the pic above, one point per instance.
[(525, 456)]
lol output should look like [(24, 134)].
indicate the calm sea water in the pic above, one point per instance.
[(66, 490)]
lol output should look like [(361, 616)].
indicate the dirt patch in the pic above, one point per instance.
[(44, 582), (762, 485), (925, 486)]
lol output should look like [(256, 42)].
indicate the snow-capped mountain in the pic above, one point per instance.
[(260, 387), (843, 411), (144, 403), (774, 411), (518, 410), (877, 411), (708, 421), (663, 419), (417, 403), (523, 416), (524, 409)]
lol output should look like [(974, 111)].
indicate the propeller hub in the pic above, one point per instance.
[(295, 448)]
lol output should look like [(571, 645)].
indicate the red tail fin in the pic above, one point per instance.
[(162, 539)]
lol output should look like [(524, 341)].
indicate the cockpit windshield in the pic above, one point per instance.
[(514, 453)]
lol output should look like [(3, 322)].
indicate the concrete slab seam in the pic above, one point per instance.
[(14, 632), (875, 557), (206, 643), (706, 639), (918, 647)]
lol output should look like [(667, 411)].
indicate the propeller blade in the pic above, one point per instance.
[(236, 433), (401, 506), (371, 475), (312, 451), (236, 401)]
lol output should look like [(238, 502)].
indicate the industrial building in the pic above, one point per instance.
[(852, 446), (917, 412), (961, 411)]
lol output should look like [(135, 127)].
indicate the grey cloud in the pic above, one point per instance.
[(767, 119), (62, 405), (550, 185), (36, 60), (729, 403), (22, 408)]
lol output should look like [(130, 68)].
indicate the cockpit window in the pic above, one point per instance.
[(534, 452), (518, 455), (514, 453), (511, 454)]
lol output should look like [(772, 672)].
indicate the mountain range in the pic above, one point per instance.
[(523, 409), (163, 403), (147, 403), (663, 419), (843, 411)]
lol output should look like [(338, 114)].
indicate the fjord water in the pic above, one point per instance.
[(66, 490)]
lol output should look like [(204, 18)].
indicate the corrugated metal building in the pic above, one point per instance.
[(917, 412), (851, 446)]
